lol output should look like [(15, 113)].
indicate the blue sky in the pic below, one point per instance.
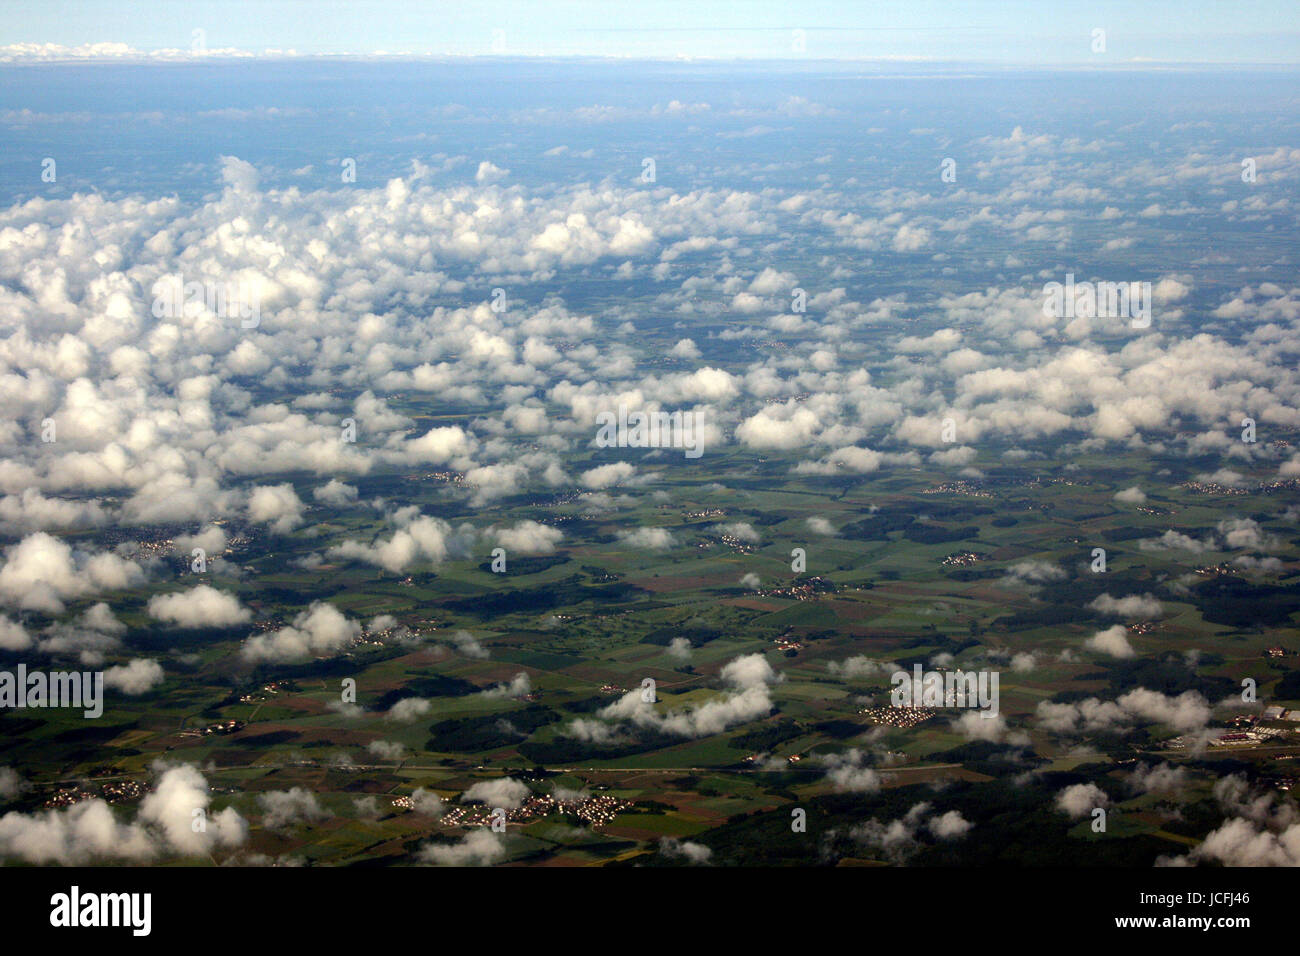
[(1009, 31)]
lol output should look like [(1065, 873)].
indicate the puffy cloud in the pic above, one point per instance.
[(1024, 662), (910, 238), (468, 645), (1259, 831), (648, 539), (81, 639), (1246, 533), (901, 838), (276, 505), (1240, 842), (33, 511), (606, 476), (336, 493), (1134, 606), (135, 677), (438, 446), (1131, 496), (491, 482), (1161, 778), (1174, 540), (944, 340), (820, 526), (594, 731), (202, 606), (320, 631), (1189, 711), (859, 666), (505, 792), (949, 825), (78, 834), (748, 698), (780, 427), (740, 530), (687, 850), (751, 670), (386, 749), (179, 432), (408, 709), (89, 832), (11, 783), (1258, 564), (1186, 712), (715, 716), (480, 847), (528, 537), (421, 538), (489, 173), (977, 725), (1035, 572), (685, 349), (1112, 641), (957, 457), (178, 793), (41, 572), (521, 685), (427, 802), (770, 281), (99, 617), (707, 384), (1169, 290), (284, 809), (848, 773), (1080, 799), (211, 539), (13, 636)]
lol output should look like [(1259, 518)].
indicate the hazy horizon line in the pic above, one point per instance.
[(173, 56)]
